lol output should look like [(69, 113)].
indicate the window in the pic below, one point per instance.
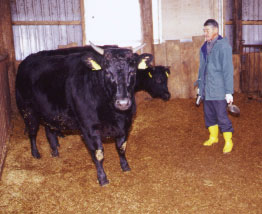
[(113, 22)]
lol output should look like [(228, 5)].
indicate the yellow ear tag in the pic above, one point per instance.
[(142, 64), (95, 66), (167, 74), (149, 74)]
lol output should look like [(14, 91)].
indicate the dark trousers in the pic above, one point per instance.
[(215, 112)]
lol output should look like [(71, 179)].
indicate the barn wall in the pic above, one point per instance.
[(43, 25), (252, 72), (7, 57), (5, 107), (251, 11), (182, 19)]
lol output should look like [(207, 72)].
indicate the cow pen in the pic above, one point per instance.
[(171, 171)]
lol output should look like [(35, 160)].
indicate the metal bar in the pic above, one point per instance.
[(252, 45), (46, 23), (246, 22)]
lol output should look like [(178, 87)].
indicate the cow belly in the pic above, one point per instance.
[(60, 123)]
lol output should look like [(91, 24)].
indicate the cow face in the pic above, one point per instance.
[(119, 67), (157, 78)]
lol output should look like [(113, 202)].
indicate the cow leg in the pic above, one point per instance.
[(98, 158), (121, 149), (94, 144), (52, 140), (32, 126)]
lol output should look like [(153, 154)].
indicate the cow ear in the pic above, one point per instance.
[(91, 63), (144, 61)]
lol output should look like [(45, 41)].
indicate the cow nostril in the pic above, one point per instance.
[(123, 104), (167, 96)]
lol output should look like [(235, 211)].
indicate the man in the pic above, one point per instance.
[(215, 82)]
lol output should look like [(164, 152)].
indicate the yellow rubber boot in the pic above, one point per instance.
[(213, 137), (228, 142)]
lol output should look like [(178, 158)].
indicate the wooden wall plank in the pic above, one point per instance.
[(147, 25), (237, 69), (160, 54), (173, 60), (82, 10), (7, 46), (198, 41), (187, 69)]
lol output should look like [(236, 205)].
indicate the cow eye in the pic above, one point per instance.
[(132, 73)]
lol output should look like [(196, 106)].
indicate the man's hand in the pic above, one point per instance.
[(229, 98)]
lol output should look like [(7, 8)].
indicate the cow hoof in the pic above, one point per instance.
[(36, 155), (103, 182), (126, 168), (55, 153)]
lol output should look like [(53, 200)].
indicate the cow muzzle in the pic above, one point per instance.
[(166, 96), (123, 104)]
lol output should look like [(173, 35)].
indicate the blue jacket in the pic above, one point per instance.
[(216, 70)]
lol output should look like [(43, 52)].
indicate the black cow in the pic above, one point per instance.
[(92, 91), (152, 80)]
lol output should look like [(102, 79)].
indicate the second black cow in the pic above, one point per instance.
[(91, 91)]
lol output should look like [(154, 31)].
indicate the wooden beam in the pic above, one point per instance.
[(6, 35), (147, 25), (249, 22), (46, 23), (82, 8), (224, 18), (7, 46), (237, 25)]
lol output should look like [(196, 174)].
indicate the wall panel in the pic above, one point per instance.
[(33, 37)]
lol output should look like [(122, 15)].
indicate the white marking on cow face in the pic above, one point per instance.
[(99, 155)]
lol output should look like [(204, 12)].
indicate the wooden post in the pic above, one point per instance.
[(82, 8), (7, 46), (237, 25), (6, 35), (147, 25)]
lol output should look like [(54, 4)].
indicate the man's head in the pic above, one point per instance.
[(210, 29)]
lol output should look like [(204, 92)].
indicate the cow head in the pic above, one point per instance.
[(119, 67), (157, 79)]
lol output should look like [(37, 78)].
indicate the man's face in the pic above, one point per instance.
[(210, 32)]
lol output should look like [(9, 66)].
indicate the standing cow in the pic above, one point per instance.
[(92, 91), (152, 80)]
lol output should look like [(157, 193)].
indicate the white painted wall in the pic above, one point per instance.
[(113, 22), (182, 19)]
